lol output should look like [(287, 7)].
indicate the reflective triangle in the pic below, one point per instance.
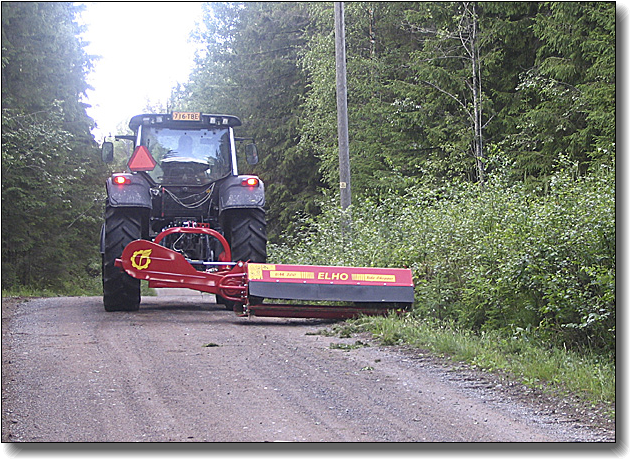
[(141, 160)]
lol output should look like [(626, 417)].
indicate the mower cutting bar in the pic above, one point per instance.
[(309, 311)]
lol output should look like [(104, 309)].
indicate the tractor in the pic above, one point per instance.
[(182, 216), (183, 173)]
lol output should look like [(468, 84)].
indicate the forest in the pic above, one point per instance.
[(482, 150), (52, 175)]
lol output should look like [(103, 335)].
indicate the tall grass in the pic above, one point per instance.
[(81, 286), (584, 374)]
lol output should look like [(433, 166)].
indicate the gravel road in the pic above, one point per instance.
[(183, 369)]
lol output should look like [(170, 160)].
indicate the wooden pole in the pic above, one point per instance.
[(342, 108)]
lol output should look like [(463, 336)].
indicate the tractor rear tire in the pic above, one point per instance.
[(246, 232), (247, 235), (121, 292)]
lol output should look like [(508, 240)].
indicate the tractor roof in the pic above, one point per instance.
[(183, 120)]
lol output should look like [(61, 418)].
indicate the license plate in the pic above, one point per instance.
[(186, 116)]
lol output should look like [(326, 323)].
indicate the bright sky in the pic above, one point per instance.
[(145, 51)]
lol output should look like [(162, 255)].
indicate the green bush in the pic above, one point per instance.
[(487, 258)]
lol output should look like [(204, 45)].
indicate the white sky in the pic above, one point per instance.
[(145, 51)]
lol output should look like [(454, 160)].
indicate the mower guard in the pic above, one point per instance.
[(370, 291), (330, 283)]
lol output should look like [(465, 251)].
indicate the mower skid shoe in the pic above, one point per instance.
[(331, 283)]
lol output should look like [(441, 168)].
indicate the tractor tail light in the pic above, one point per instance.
[(251, 181), (121, 179)]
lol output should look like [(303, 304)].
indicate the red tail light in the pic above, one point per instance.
[(251, 181), (121, 179)]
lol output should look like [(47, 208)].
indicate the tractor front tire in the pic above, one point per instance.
[(121, 292)]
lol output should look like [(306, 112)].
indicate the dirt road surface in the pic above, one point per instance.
[(183, 369)]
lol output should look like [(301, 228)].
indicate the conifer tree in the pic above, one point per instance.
[(51, 175)]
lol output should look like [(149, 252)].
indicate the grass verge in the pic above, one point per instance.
[(589, 377), (80, 287)]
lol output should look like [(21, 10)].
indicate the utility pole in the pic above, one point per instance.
[(342, 108)]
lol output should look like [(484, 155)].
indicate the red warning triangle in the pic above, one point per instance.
[(141, 160)]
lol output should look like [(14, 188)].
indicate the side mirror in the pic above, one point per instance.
[(251, 154), (107, 152)]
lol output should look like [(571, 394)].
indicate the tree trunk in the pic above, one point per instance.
[(477, 95)]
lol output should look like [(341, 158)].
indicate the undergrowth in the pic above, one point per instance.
[(494, 258), (585, 375), (79, 287)]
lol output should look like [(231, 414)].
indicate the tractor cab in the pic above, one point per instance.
[(184, 148), (189, 157)]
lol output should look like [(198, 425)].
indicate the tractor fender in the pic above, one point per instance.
[(234, 194), (135, 193)]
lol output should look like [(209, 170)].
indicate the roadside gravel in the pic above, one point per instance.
[(183, 369)]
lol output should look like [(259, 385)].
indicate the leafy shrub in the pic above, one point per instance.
[(487, 258)]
